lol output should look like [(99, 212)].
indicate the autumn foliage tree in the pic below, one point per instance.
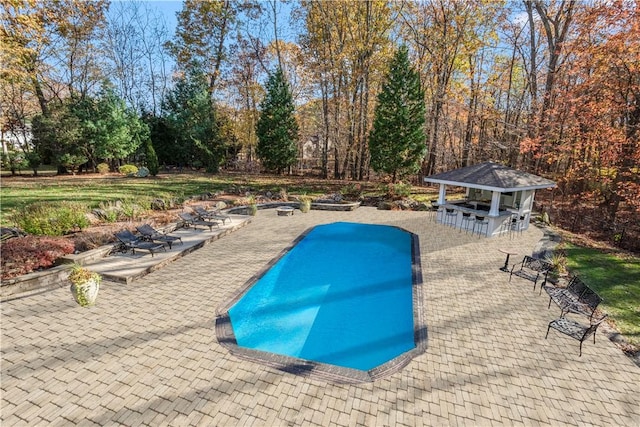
[(596, 119)]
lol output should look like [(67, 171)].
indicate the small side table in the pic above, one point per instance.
[(509, 252)]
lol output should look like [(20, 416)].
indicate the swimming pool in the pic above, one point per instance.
[(343, 296)]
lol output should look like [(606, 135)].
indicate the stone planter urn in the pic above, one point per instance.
[(305, 204), (84, 285)]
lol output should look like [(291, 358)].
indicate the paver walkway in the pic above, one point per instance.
[(146, 354)]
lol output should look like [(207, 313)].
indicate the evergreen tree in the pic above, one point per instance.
[(277, 129), (192, 121), (151, 158), (397, 139)]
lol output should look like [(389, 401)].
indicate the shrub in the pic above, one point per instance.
[(284, 195), (132, 209), (51, 219), (88, 241), (72, 162), (397, 191), (110, 211), (103, 168), (129, 170), (26, 254), (34, 161), (351, 191), (14, 161)]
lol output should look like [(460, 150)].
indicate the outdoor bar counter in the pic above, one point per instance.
[(503, 196), (496, 224)]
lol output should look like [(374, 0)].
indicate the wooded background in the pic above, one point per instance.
[(551, 87)]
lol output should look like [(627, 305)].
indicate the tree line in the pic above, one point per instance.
[(549, 86)]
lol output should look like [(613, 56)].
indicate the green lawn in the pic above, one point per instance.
[(93, 189), (616, 280)]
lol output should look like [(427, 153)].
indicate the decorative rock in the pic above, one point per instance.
[(158, 205), (99, 213)]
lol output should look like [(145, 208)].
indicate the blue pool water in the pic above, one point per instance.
[(342, 296)]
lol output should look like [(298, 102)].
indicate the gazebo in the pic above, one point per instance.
[(498, 197)]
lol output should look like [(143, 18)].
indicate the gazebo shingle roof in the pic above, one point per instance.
[(492, 176)]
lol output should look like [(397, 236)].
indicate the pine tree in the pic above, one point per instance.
[(151, 158), (277, 129), (397, 139)]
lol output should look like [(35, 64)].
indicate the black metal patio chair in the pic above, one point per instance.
[(532, 269), (574, 329)]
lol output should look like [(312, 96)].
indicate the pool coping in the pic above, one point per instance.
[(337, 374)]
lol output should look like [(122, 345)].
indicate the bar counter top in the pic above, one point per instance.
[(478, 211)]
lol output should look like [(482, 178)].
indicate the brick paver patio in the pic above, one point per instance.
[(147, 354)]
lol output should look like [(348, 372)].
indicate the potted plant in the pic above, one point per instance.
[(559, 269), (84, 285), (305, 203), (252, 207)]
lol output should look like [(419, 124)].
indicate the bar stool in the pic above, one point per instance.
[(439, 214), (435, 208), (480, 222), (516, 224), (450, 217), (505, 227), (466, 219)]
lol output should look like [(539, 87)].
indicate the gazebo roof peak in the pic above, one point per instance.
[(491, 176)]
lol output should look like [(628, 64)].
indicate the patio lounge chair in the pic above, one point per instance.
[(131, 242), (575, 330), (204, 214), (189, 220), (151, 234)]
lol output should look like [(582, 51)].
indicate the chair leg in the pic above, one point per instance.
[(549, 306), (549, 327), (580, 355)]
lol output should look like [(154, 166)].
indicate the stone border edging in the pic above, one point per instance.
[(350, 206)]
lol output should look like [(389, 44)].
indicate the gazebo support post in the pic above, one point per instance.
[(495, 203), (442, 195)]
